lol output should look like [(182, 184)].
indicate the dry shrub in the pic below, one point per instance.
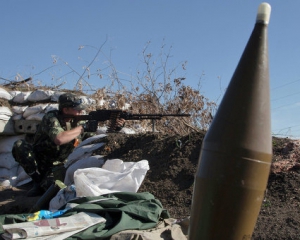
[(156, 88)]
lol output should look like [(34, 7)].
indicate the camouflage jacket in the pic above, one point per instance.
[(44, 146)]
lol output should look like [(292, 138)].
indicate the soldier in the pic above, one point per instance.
[(54, 140)]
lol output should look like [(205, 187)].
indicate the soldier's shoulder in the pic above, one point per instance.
[(53, 113)]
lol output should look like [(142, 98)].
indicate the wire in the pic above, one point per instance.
[(285, 84), (286, 96)]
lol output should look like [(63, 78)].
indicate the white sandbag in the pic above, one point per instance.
[(5, 173), (55, 96), (91, 139), (22, 177), (40, 95), (18, 109), (101, 130), (87, 101), (34, 109), (14, 93), (5, 94), (7, 127), (4, 117), (5, 111), (21, 97), (17, 117), (51, 107), (92, 161), (82, 152), (138, 128), (114, 176), (36, 116), (7, 160), (127, 130), (7, 142), (126, 106)]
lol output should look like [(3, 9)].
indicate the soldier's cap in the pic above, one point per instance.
[(71, 100)]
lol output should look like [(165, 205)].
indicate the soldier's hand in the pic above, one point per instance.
[(120, 122), (90, 126)]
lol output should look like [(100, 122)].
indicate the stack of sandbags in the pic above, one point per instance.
[(11, 173), (43, 100), (19, 111), (6, 123)]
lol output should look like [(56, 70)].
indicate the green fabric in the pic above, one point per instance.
[(125, 211)]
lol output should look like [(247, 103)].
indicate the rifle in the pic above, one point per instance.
[(102, 115)]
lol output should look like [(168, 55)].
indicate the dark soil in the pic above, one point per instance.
[(173, 162)]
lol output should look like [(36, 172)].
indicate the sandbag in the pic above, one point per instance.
[(17, 117), (34, 109), (114, 176), (5, 113), (87, 101), (22, 177), (18, 109), (7, 142), (82, 152), (40, 95), (8, 173), (36, 116), (92, 161), (7, 160), (14, 93), (5, 94), (7, 127), (51, 107), (21, 97), (55, 96), (127, 130), (91, 139)]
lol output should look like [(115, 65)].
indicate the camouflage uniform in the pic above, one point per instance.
[(44, 154)]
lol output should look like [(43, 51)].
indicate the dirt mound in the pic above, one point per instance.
[(173, 162)]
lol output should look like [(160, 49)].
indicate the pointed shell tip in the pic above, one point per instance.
[(263, 13)]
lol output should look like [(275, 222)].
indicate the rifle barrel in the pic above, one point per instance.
[(150, 116)]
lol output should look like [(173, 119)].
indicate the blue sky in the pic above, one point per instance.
[(210, 35)]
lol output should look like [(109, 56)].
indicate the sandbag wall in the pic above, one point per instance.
[(20, 113)]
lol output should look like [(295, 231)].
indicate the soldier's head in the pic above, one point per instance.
[(69, 102)]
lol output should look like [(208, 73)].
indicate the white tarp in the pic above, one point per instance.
[(114, 176)]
